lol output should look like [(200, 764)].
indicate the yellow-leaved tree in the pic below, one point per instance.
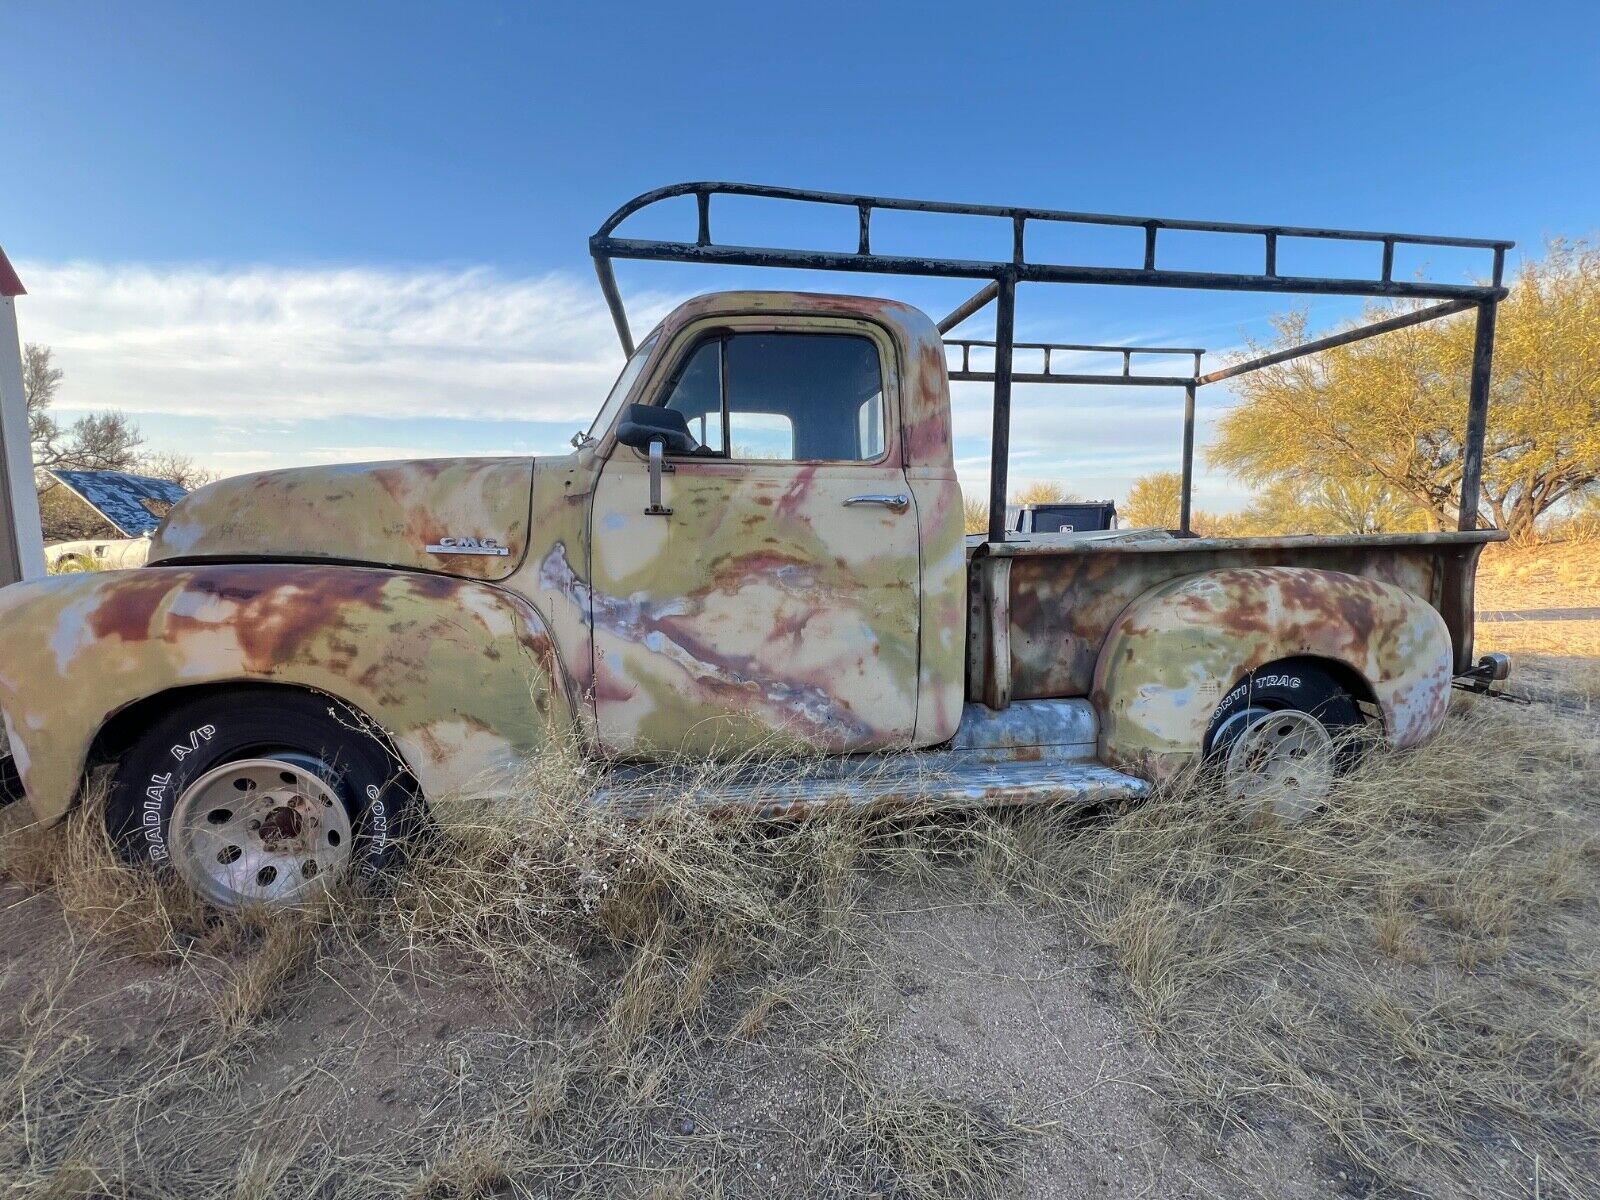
[(976, 509), (1153, 501), (1042, 491), (1369, 436)]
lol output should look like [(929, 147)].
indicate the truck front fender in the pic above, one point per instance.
[(462, 675), (1173, 653)]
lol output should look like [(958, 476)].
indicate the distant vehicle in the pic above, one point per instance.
[(1062, 516), (133, 505), (758, 543), (97, 554)]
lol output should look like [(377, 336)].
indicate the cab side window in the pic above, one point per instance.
[(785, 396)]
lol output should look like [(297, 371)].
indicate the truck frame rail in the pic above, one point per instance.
[(1003, 276)]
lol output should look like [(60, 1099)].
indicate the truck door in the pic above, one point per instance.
[(778, 601)]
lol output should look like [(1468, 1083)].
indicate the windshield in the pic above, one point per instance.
[(620, 389)]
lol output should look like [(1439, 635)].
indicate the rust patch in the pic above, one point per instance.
[(127, 611)]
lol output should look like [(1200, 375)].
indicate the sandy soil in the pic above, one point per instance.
[(985, 1006), (1565, 575)]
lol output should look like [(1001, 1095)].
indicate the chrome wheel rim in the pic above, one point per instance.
[(259, 831), (1282, 756)]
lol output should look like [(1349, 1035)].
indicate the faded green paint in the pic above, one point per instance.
[(1171, 656), (1065, 593), (386, 514), (464, 676), (765, 608)]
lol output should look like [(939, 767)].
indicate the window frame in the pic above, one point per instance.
[(675, 358), (675, 377)]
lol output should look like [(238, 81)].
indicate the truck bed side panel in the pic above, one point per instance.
[(1064, 599)]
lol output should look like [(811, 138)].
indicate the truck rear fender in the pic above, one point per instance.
[(1173, 653), (462, 676)]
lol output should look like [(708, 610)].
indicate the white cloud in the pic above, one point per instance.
[(292, 344), (272, 367)]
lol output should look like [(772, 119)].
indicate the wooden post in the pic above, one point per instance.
[(21, 542)]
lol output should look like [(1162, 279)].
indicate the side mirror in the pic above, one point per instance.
[(642, 424)]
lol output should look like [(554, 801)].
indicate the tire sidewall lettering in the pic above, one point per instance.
[(153, 817), (376, 819), (161, 792), (191, 745), (1241, 693)]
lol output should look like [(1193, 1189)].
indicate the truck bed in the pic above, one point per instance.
[(1040, 605)]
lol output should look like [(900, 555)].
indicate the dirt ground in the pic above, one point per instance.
[(928, 1022), (1554, 659), (1565, 575), (1000, 1013)]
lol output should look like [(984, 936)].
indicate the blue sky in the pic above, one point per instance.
[(297, 232)]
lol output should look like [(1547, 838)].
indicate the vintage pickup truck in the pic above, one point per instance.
[(758, 545)]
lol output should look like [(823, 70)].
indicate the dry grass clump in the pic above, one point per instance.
[(1414, 974), (679, 939), (1555, 661), (149, 916), (541, 883), (916, 1145), (620, 967), (1562, 574)]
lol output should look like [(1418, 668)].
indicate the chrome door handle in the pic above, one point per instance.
[(899, 503)]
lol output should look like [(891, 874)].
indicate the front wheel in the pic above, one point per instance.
[(1282, 735), (259, 797)]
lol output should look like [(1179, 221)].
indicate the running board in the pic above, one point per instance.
[(1032, 753)]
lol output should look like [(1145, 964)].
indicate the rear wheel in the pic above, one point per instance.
[(259, 797), (1282, 735)]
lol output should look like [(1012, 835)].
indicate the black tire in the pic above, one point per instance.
[(1300, 684), (10, 781), (317, 732)]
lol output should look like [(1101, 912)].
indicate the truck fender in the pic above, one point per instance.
[(463, 676), (1174, 652)]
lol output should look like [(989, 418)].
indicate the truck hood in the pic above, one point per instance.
[(463, 516)]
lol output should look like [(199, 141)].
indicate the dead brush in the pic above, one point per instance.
[(916, 1145), (1410, 973), (1556, 660), (550, 881), (1407, 971), (670, 936), (238, 967), (661, 942), (150, 915), (903, 1141)]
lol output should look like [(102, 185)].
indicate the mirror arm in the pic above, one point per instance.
[(657, 466)]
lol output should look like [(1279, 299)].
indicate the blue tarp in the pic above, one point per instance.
[(135, 504)]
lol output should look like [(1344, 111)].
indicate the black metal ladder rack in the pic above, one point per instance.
[(1003, 276)]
